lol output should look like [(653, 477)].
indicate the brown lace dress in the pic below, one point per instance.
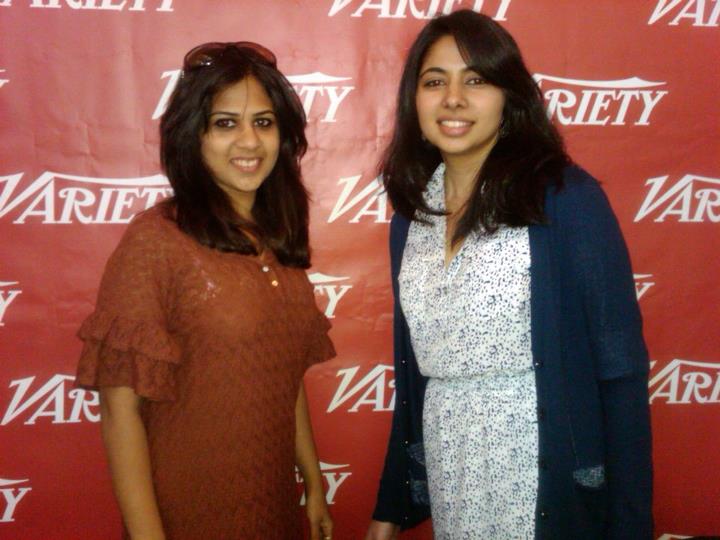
[(217, 343)]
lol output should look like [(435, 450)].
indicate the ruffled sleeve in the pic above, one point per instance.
[(126, 339), (320, 346)]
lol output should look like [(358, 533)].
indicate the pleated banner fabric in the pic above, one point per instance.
[(632, 86)]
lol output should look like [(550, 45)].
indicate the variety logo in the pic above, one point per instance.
[(321, 94), (692, 199), (330, 287), (56, 399), (642, 284), (370, 200), (105, 5), (700, 12), (3, 82), (326, 87), (13, 492), (55, 198), (334, 476), (7, 295), (686, 381), (580, 102), (418, 9), (374, 389)]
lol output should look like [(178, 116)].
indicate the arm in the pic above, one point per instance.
[(628, 457), (307, 461), (382, 530), (621, 363), (127, 450)]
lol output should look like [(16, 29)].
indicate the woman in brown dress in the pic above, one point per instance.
[(206, 322)]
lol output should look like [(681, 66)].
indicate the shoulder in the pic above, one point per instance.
[(399, 226), (577, 182), (151, 235), (580, 198), (398, 222), (154, 225), (155, 220)]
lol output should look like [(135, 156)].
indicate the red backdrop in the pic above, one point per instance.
[(633, 86)]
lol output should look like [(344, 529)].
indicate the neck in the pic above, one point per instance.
[(460, 180), (460, 176), (243, 207)]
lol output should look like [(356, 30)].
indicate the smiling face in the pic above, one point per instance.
[(457, 110), (242, 141)]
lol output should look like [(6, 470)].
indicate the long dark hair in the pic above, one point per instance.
[(201, 208), (528, 155)]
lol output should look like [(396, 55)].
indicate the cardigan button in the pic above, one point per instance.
[(404, 402), (543, 514), (542, 463), (537, 363), (541, 413)]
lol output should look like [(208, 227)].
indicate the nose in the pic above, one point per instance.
[(246, 137), (454, 95)]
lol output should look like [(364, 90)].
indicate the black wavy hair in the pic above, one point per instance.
[(201, 208), (528, 155)]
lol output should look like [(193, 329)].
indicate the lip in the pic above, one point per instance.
[(246, 165), (454, 127)]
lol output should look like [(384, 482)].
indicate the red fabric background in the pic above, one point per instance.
[(632, 84)]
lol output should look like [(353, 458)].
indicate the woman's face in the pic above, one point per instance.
[(241, 144), (458, 111)]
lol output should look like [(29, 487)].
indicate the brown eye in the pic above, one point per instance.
[(475, 81), (264, 122), (224, 123), (432, 83)]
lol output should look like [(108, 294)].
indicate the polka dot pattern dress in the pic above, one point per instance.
[(470, 329)]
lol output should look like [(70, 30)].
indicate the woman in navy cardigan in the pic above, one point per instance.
[(511, 278)]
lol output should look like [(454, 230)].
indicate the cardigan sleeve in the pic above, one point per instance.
[(602, 263), (620, 357)]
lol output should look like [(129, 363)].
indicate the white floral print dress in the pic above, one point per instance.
[(470, 329)]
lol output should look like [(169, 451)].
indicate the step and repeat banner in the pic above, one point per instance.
[(632, 85)]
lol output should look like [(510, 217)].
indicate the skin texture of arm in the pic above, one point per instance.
[(126, 445), (382, 530), (321, 525)]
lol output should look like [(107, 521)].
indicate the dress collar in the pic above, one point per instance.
[(435, 189)]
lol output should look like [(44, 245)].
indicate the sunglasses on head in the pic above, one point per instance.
[(208, 53)]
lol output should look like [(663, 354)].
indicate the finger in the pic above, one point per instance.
[(327, 528)]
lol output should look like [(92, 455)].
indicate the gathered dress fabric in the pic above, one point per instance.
[(217, 343), (470, 328)]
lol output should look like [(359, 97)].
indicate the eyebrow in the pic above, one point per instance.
[(444, 71), (234, 114)]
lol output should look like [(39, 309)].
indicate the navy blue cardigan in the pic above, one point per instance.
[(591, 368)]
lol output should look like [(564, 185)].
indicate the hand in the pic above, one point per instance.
[(382, 530), (321, 525)]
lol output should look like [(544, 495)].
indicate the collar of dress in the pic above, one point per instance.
[(435, 191)]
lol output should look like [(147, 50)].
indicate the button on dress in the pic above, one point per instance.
[(470, 329), (217, 343)]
